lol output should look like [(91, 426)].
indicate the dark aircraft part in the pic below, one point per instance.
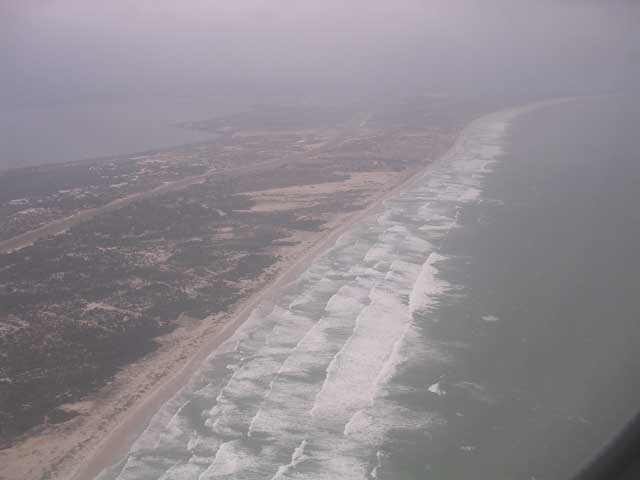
[(620, 458)]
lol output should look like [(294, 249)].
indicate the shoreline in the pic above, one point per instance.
[(125, 409), (115, 445)]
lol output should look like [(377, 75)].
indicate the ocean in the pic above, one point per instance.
[(482, 324)]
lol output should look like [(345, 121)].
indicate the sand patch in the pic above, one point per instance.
[(300, 196)]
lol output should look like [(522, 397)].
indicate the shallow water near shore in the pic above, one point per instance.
[(66, 133), (480, 325)]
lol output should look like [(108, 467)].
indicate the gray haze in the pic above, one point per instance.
[(73, 50)]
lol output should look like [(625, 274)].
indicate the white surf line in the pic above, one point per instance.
[(395, 357), (332, 319), (377, 329), (427, 287), (227, 461), (237, 372), (317, 327), (378, 467), (436, 389), (384, 375), (282, 364), (297, 457), (332, 367), (159, 430)]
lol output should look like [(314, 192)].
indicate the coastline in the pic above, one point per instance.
[(117, 442), (111, 431), (115, 445)]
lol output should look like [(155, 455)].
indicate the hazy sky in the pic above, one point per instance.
[(66, 50)]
